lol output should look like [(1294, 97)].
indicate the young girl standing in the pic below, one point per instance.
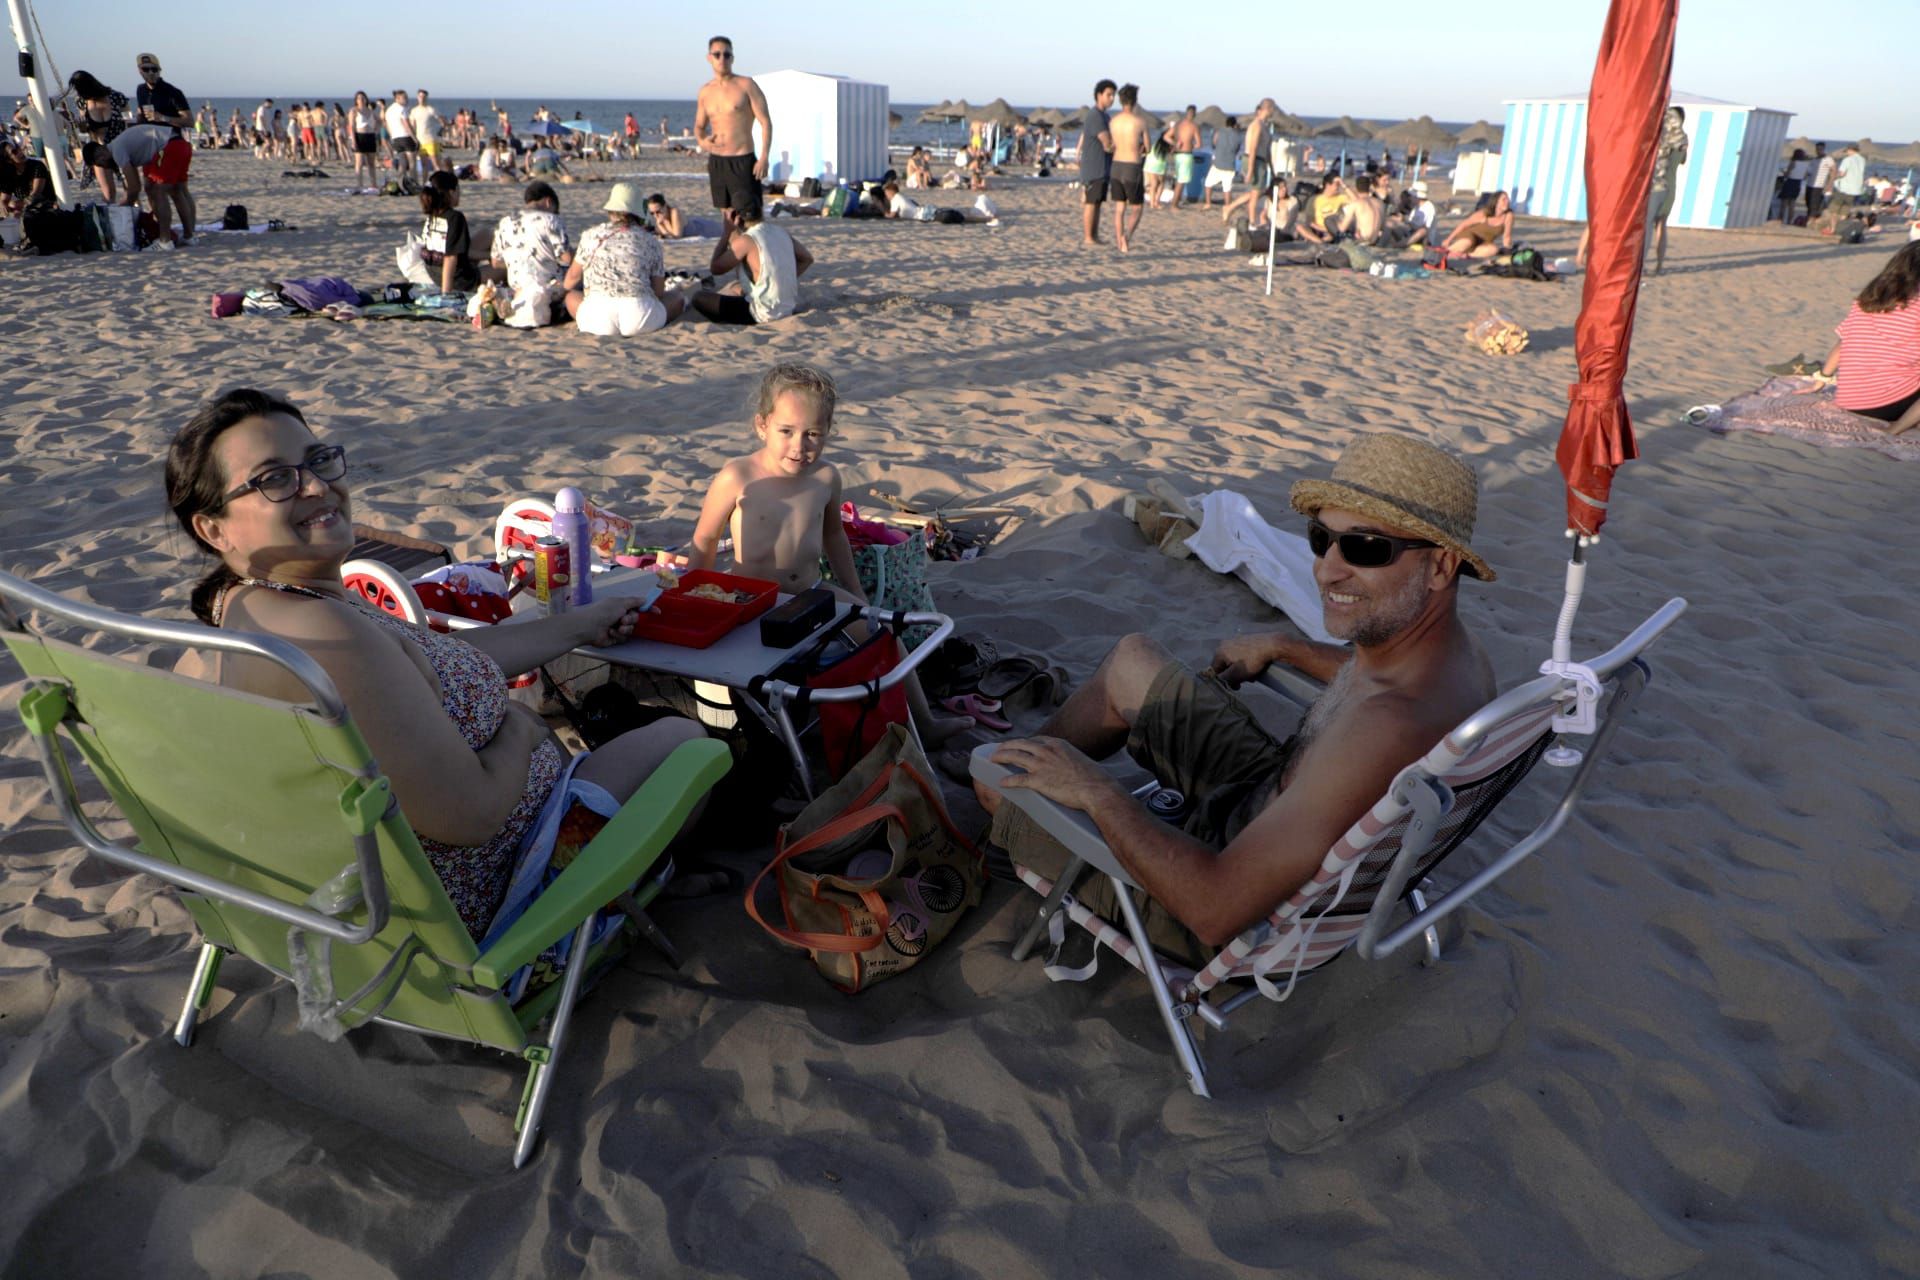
[(782, 506)]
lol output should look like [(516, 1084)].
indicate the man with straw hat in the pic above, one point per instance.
[(1391, 532)]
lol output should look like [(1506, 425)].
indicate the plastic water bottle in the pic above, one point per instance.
[(570, 523)]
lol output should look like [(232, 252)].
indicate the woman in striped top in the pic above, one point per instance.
[(1878, 356)]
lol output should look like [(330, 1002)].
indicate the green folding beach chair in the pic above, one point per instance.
[(289, 848)]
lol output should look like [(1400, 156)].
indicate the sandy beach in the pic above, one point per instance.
[(1680, 1042)]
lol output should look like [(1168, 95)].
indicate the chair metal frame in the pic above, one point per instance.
[(367, 803), (1417, 794)]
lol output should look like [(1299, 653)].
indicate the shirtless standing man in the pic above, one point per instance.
[(1186, 141), (723, 119), (1257, 168), (1128, 186), (1391, 532)]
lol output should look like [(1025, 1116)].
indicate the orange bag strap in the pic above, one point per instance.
[(841, 827)]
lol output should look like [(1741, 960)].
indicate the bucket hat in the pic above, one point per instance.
[(1406, 484), (626, 197)]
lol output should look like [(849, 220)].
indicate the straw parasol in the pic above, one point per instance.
[(1421, 134), (1797, 144), (895, 119), (1345, 127), (1211, 117), (1880, 151), (1288, 123), (997, 112), (937, 114), (1480, 132)]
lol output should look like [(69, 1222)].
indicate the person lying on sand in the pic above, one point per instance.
[(1391, 532), (670, 224), (900, 207), (1877, 358)]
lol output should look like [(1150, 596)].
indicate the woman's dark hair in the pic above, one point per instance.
[(83, 83), (657, 198), (195, 485), (1485, 204), (437, 196), (1897, 282)]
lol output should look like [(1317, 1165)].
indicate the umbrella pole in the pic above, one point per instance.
[(1273, 228), (1584, 687), (1570, 604)]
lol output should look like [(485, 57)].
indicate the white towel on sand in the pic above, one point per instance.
[(1278, 566)]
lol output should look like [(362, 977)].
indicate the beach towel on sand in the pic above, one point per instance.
[(1804, 409), (1278, 566)]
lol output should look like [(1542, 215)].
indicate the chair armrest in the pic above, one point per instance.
[(1301, 690), (1072, 828), (623, 851)]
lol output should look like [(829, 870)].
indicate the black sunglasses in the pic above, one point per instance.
[(281, 483), (719, 53), (1361, 550)]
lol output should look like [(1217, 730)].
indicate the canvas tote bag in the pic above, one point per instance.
[(873, 874)]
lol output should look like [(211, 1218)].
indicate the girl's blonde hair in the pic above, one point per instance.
[(803, 378)]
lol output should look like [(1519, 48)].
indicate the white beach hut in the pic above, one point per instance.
[(825, 127), (1733, 154)]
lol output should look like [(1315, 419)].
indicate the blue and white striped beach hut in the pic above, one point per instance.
[(1733, 155)]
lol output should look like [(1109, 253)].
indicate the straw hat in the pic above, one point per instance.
[(147, 60), (1419, 189), (1407, 484), (626, 197)]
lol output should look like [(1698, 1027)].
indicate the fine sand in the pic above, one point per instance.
[(1678, 1042)]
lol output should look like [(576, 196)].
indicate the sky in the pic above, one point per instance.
[(1816, 59)]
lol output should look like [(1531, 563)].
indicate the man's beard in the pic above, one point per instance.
[(1392, 614)]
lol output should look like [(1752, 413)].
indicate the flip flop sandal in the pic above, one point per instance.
[(984, 711), (1048, 689), (957, 666), (1006, 677)]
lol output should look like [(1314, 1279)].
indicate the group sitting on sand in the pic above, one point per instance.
[(614, 283), (257, 488)]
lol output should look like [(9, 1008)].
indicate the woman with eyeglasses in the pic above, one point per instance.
[(477, 775)]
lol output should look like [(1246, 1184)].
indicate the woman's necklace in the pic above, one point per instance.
[(220, 604), (291, 589)]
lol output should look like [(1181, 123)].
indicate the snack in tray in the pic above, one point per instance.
[(714, 591)]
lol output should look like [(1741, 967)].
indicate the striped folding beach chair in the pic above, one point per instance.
[(1432, 807)]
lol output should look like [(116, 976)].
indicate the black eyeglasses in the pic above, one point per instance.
[(1361, 550), (281, 483)]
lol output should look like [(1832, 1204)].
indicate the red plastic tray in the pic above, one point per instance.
[(695, 623)]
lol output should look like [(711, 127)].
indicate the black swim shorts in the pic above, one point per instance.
[(366, 144), (1128, 184), (731, 181), (1095, 190), (404, 145)]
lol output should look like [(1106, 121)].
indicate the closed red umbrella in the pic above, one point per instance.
[(1624, 109)]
